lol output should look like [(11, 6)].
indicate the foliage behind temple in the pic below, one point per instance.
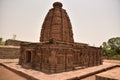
[(112, 47)]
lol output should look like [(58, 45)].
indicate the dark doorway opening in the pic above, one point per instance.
[(28, 56)]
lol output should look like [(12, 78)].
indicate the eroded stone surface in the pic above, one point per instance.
[(57, 25)]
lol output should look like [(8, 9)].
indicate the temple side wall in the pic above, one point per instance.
[(87, 56), (95, 56)]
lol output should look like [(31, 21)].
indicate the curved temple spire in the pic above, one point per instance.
[(57, 25)]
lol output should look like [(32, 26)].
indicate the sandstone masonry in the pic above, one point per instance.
[(57, 51), (9, 52)]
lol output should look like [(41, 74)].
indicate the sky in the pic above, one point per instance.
[(93, 21)]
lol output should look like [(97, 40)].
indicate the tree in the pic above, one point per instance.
[(112, 46), (1, 41), (14, 36), (105, 48), (114, 42)]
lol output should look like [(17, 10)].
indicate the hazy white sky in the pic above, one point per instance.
[(93, 21)]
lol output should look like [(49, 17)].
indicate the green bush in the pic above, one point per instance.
[(2, 43), (111, 48), (116, 56)]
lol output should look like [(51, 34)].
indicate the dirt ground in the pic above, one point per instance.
[(8, 60), (112, 61), (90, 78), (6, 74)]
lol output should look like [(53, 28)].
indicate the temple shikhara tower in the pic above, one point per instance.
[(57, 51), (57, 25)]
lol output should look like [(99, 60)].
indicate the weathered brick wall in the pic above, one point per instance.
[(9, 52)]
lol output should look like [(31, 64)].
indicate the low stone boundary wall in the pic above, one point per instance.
[(9, 52), (14, 42)]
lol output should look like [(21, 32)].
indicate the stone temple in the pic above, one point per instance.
[(57, 51)]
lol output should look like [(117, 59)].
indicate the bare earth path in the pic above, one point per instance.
[(6, 74), (112, 61), (9, 60)]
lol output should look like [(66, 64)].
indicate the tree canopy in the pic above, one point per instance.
[(1, 41), (112, 46)]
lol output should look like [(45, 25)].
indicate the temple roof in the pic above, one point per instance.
[(57, 4), (57, 25)]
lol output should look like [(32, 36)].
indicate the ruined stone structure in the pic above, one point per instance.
[(57, 51), (11, 42), (9, 52)]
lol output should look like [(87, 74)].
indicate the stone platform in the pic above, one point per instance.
[(113, 74), (71, 75)]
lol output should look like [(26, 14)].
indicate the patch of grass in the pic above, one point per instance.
[(113, 56), (2, 43), (116, 56)]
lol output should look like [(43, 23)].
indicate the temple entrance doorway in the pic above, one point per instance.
[(28, 57)]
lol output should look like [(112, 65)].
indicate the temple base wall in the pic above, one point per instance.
[(59, 57)]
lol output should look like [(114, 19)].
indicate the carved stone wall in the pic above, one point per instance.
[(59, 56), (47, 57), (57, 25)]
